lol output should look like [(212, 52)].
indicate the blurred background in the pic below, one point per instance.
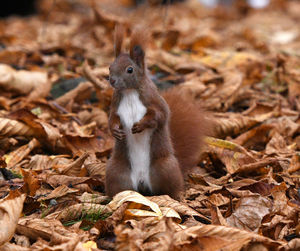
[(28, 7)]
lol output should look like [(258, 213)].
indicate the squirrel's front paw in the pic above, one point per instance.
[(118, 133), (137, 128)]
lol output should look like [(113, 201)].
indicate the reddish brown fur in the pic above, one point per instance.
[(188, 126)]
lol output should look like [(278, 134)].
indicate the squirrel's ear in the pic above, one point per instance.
[(139, 39), (137, 54), (119, 35)]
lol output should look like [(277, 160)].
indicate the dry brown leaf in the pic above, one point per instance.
[(249, 63), (52, 234), (96, 168), (74, 168), (232, 155), (109, 20), (13, 247), (58, 192), (166, 60), (216, 216), (31, 182), (85, 130), (249, 213), (93, 198), (295, 163), (57, 180), (255, 138), (79, 94), (276, 145), (24, 82), (77, 211), (52, 133), (139, 206), (35, 228), (218, 199), (16, 156), (280, 204), (135, 197), (226, 94), (79, 145), (232, 124), (293, 244), (148, 234), (199, 39), (41, 128), (9, 127), (225, 238), (22, 240), (44, 162), (68, 245), (10, 211), (166, 201)]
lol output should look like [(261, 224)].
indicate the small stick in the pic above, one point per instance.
[(64, 111), (87, 72)]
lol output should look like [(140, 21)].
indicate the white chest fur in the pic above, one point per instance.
[(132, 110)]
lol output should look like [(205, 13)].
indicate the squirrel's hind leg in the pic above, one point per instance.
[(117, 177), (166, 177)]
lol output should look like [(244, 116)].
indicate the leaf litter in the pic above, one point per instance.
[(240, 64)]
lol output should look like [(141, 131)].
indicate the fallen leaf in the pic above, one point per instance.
[(9, 127), (16, 156), (58, 192), (24, 82), (249, 213), (10, 208)]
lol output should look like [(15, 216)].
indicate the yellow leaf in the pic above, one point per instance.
[(132, 196), (89, 245)]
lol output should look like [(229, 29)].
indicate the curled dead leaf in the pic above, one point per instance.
[(24, 82), (9, 127), (165, 201), (136, 204), (10, 211), (19, 154), (74, 168)]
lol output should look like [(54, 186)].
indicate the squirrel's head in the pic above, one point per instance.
[(128, 70)]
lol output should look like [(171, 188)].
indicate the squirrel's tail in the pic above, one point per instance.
[(188, 125)]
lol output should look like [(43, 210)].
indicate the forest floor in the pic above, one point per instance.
[(242, 65)]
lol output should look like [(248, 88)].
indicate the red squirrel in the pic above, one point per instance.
[(157, 137)]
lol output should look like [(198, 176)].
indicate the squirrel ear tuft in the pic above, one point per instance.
[(119, 35), (137, 54), (138, 42)]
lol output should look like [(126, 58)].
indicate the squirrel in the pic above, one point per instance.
[(157, 137)]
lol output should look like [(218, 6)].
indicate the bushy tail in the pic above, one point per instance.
[(188, 125)]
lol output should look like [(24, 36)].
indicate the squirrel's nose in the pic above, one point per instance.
[(112, 81)]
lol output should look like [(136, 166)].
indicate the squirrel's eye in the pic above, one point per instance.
[(130, 70)]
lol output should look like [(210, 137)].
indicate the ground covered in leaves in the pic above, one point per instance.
[(240, 64)]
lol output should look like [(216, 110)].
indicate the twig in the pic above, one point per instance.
[(64, 111), (87, 72)]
